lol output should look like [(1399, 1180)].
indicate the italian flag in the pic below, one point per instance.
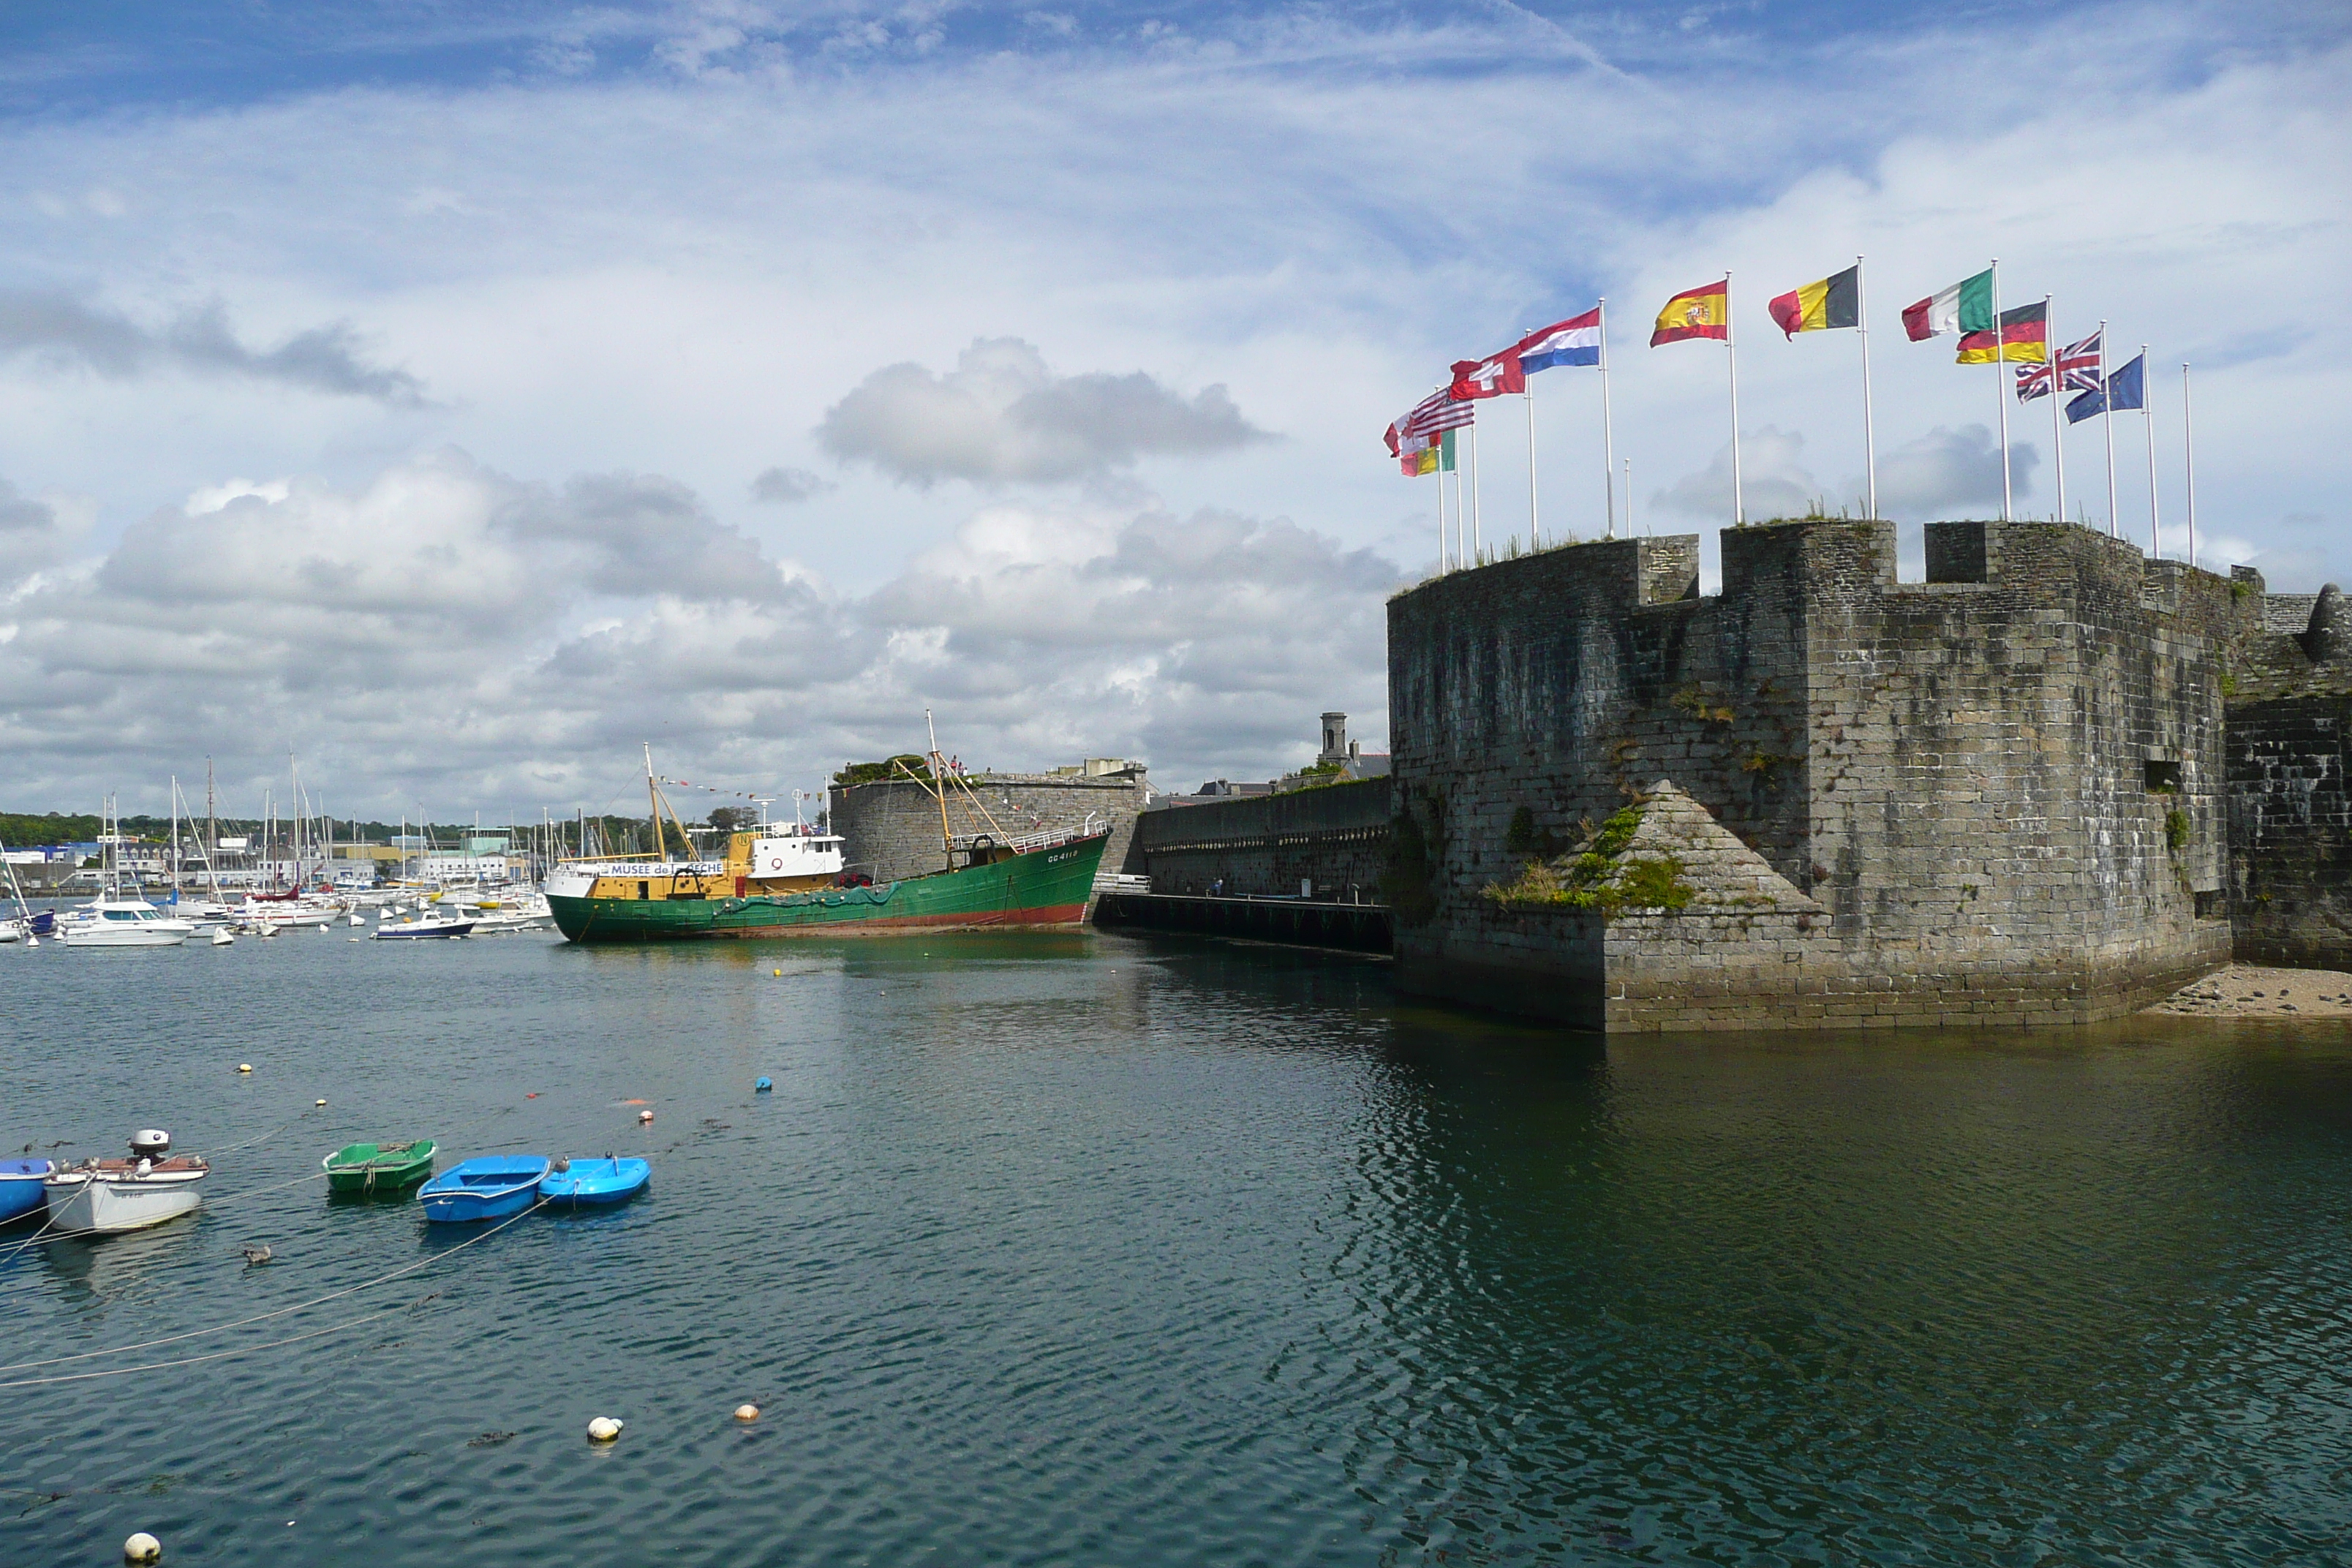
[(1965, 307)]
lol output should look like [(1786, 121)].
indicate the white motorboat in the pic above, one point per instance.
[(104, 1196), (428, 923), (121, 923)]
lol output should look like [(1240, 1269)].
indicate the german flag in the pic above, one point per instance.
[(1818, 307), (1701, 312), (2024, 339)]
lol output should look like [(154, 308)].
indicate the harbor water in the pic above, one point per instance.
[(1092, 1250)]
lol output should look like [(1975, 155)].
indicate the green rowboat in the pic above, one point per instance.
[(378, 1167)]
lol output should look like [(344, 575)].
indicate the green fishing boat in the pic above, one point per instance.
[(791, 881), (1044, 884), (378, 1167)]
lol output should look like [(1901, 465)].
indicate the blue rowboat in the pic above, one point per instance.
[(610, 1180), (490, 1187), (20, 1188)]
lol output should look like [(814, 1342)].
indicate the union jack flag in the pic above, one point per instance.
[(2077, 368), (2080, 363)]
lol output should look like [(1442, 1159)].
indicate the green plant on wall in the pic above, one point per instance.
[(2176, 829), (1604, 878)]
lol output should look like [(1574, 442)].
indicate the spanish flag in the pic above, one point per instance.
[(1701, 312), (1818, 306), (2024, 339)]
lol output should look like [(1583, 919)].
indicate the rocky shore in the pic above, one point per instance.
[(2250, 991)]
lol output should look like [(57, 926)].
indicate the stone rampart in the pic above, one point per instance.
[(1333, 837), (2001, 787), (2290, 745), (890, 831)]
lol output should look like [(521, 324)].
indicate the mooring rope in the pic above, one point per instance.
[(281, 1311), (191, 1360)]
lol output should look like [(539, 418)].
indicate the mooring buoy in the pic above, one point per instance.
[(603, 1429)]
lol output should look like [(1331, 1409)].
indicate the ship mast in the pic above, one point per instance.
[(940, 788)]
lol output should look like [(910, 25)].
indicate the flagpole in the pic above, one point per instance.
[(1869, 439), (1731, 353), (1477, 537), (2188, 453), (2147, 423), (2057, 442), (2107, 422), (1528, 390), (1629, 498), (1441, 506), (2000, 358), (1609, 439)]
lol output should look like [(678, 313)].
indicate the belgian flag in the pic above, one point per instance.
[(1818, 307)]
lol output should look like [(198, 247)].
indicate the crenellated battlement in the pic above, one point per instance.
[(2008, 776)]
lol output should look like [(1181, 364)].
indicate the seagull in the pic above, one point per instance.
[(256, 1254)]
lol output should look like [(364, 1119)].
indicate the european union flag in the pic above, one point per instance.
[(2126, 388), (2127, 385)]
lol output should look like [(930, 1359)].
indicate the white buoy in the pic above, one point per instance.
[(747, 1412), (220, 937), (245, 1067), (603, 1429), (143, 1548), (319, 1104), (645, 1116)]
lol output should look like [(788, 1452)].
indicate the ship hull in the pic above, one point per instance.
[(1043, 887)]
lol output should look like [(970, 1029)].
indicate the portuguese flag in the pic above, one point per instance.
[(1818, 307), (2023, 338), (1965, 307)]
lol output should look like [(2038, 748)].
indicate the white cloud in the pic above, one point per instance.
[(449, 631), (1003, 415)]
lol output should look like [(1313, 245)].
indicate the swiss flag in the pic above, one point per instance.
[(1490, 376)]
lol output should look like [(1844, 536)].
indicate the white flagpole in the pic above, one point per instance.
[(1731, 353), (1535, 529), (2107, 421), (1869, 438), (1441, 508), (2000, 361), (1609, 439), (2188, 453), (2147, 422), (2050, 346), (1629, 498), (1477, 538)]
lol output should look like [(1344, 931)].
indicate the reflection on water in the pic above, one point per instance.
[(1090, 1249)]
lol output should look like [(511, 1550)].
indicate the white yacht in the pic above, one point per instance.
[(121, 923)]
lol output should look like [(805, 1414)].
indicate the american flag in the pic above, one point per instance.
[(1429, 419), (2078, 365)]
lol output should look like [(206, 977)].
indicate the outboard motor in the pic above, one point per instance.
[(150, 1143)]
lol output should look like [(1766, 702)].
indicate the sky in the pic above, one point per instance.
[(459, 396)]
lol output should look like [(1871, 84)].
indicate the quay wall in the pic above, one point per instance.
[(2002, 788), (1334, 837), (890, 831)]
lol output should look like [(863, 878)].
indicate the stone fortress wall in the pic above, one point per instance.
[(2289, 742), (1993, 797), (1333, 837), (891, 830)]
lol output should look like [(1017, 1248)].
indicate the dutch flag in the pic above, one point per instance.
[(1576, 341)]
